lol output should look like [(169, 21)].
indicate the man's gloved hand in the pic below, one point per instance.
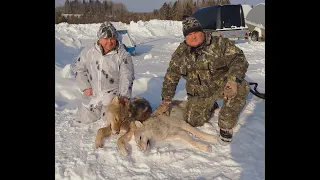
[(88, 92), (164, 108), (123, 100), (230, 90)]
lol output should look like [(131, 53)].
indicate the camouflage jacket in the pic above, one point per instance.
[(205, 69)]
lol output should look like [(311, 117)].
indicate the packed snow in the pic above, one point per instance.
[(156, 40)]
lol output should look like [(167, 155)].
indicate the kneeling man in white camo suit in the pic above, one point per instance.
[(103, 71)]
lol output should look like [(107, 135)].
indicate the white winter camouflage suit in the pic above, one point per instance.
[(108, 75)]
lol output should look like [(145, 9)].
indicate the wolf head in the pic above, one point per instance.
[(115, 114), (137, 109)]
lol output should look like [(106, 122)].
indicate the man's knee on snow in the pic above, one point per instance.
[(88, 115), (197, 115), (104, 114), (199, 110)]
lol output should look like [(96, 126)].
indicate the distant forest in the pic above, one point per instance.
[(83, 12)]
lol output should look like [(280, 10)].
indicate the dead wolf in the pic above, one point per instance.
[(162, 127), (119, 117)]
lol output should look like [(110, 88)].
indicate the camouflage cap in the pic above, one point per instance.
[(107, 30), (190, 24)]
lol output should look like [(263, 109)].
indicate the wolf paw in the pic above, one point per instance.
[(123, 152), (99, 139), (99, 143), (209, 149)]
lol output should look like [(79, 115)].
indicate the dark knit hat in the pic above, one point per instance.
[(190, 24)]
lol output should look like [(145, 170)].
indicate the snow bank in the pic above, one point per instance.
[(144, 30)]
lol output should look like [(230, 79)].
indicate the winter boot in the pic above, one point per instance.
[(225, 136)]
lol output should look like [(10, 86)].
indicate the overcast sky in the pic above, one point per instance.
[(150, 5)]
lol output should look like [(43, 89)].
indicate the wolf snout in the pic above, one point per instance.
[(142, 148)]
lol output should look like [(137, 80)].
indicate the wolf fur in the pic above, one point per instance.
[(162, 127), (119, 118)]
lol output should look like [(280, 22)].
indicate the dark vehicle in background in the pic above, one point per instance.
[(223, 20)]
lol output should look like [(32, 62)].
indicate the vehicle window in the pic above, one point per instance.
[(230, 16), (207, 17)]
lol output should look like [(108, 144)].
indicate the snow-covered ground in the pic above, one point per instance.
[(75, 157)]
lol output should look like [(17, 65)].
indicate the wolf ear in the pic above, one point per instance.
[(128, 104), (138, 124), (145, 109), (115, 100)]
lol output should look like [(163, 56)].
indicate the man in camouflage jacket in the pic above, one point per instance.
[(214, 68)]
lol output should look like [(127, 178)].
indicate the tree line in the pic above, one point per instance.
[(99, 11)]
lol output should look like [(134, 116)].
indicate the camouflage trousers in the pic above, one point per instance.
[(199, 110)]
